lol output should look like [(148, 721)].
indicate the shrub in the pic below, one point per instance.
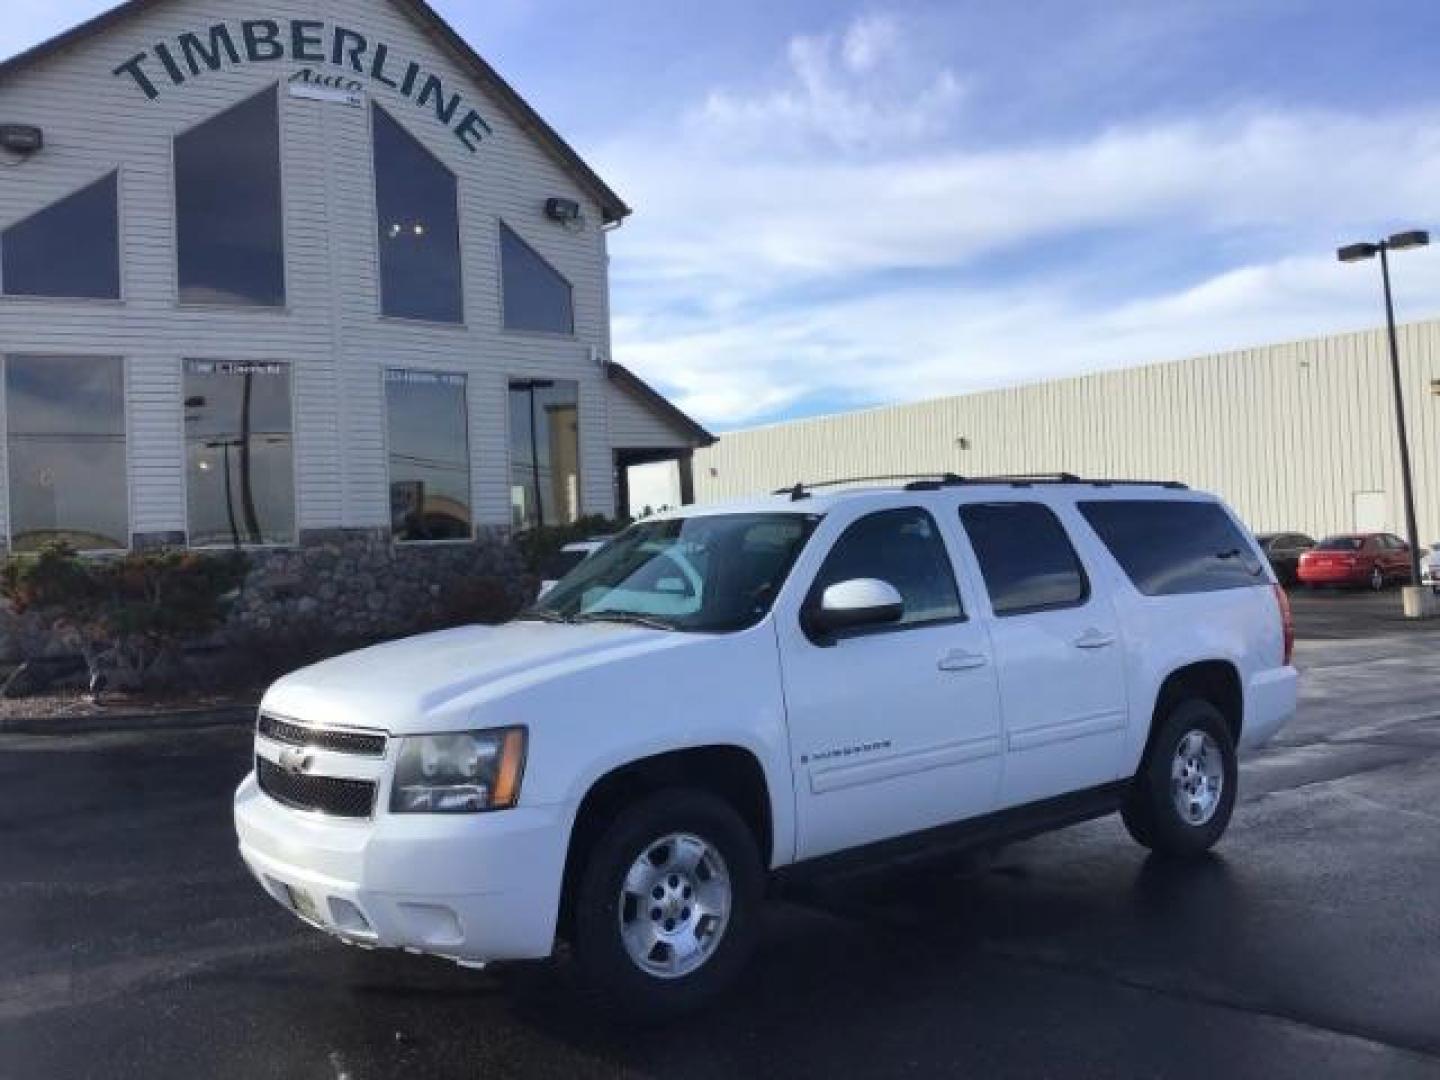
[(487, 600), (124, 615), (537, 545)]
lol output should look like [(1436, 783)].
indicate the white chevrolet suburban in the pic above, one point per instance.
[(731, 695)]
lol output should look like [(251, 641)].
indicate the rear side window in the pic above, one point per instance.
[(904, 549), (1025, 556), (1175, 547)]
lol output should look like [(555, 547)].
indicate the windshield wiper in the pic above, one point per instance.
[(628, 618), (541, 615)]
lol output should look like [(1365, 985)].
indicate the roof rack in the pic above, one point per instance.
[(803, 489), (937, 481)]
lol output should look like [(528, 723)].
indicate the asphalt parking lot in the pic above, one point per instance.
[(132, 943)]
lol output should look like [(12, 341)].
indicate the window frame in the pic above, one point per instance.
[(810, 601), (294, 542), (125, 404), (407, 320), (120, 230), (286, 281), (580, 469), (471, 472), (1087, 590), (501, 223)]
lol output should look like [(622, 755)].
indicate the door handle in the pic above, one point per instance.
[(960, 660), (1094, 639)]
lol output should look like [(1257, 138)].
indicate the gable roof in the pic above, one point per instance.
[(657, 402), (612, 206)]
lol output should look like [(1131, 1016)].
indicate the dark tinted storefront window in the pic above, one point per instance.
[(230, 232), (240, 454), (1175, 547), (536, 296), (544, 452), (1025, 557), (67, 452), (69, 249), (415, 199), (429, 456)]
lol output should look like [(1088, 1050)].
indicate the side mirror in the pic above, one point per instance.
[(854, 605)]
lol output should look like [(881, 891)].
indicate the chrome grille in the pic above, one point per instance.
[(319, 794), (342, 742)]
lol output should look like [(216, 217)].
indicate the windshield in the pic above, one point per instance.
[(1340, 543), (704, 574)]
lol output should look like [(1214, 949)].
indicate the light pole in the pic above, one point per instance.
[(1357, 253)]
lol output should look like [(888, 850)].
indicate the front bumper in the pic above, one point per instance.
[(469, 887)]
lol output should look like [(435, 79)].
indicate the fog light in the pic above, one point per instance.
[(348, 917)]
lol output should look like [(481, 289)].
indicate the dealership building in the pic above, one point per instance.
[(1299, 437), (285, 274)]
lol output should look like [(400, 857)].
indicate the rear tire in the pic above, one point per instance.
[(1377, 579), (1181, 799), (667, 907)]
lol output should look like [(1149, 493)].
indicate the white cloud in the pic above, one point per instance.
[(856, 91), (727, 277)]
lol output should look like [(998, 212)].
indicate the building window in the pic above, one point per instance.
[(537, 297), (240, 454), (66, 419), (429, 442), (70, 249), (544, 452), (230, 234), (417, 206)]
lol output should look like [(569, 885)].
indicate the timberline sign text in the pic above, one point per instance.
[(303, 41)]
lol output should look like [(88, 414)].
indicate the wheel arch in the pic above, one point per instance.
[(731, 772), (1215, 681)]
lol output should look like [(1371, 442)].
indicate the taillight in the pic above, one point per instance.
[(1287, 623)]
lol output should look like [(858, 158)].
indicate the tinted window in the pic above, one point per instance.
[(67, 452), (1025, 557), (1340, 543), (1175, 547), (70, 249), (536, 296), (230, 236), (544, 452), (429, 455), (712, 573), (240, 478), (904, 549), (419, 219)]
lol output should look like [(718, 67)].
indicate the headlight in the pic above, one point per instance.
[(463, 773)]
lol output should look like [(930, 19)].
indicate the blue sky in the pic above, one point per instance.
[(846, 204)]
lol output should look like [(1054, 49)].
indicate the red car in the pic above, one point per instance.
[(1371, 560)]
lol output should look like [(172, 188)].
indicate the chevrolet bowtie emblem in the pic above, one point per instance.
[(295, 761)]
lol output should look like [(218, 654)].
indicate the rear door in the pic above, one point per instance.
[(1058, 652)]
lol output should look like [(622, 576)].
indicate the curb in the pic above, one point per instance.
[(102, 724)]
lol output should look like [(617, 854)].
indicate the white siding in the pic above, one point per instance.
[(1287, 433), (330, 331), (636, 426)]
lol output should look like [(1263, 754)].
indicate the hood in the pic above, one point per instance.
[(436, 682)]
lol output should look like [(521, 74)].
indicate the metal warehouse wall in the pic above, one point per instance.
[(1292, 435)]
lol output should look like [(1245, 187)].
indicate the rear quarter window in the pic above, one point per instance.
[(1172, 547)]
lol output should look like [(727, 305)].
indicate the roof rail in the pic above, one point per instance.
[(802, 489), (937, 481)]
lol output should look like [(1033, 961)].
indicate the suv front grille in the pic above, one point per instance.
[(342, 742), (320, 794)]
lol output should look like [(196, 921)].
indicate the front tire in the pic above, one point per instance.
[(667, 907), (1182, 798)]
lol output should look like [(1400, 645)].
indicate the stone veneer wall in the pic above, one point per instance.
[(345, 584)]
